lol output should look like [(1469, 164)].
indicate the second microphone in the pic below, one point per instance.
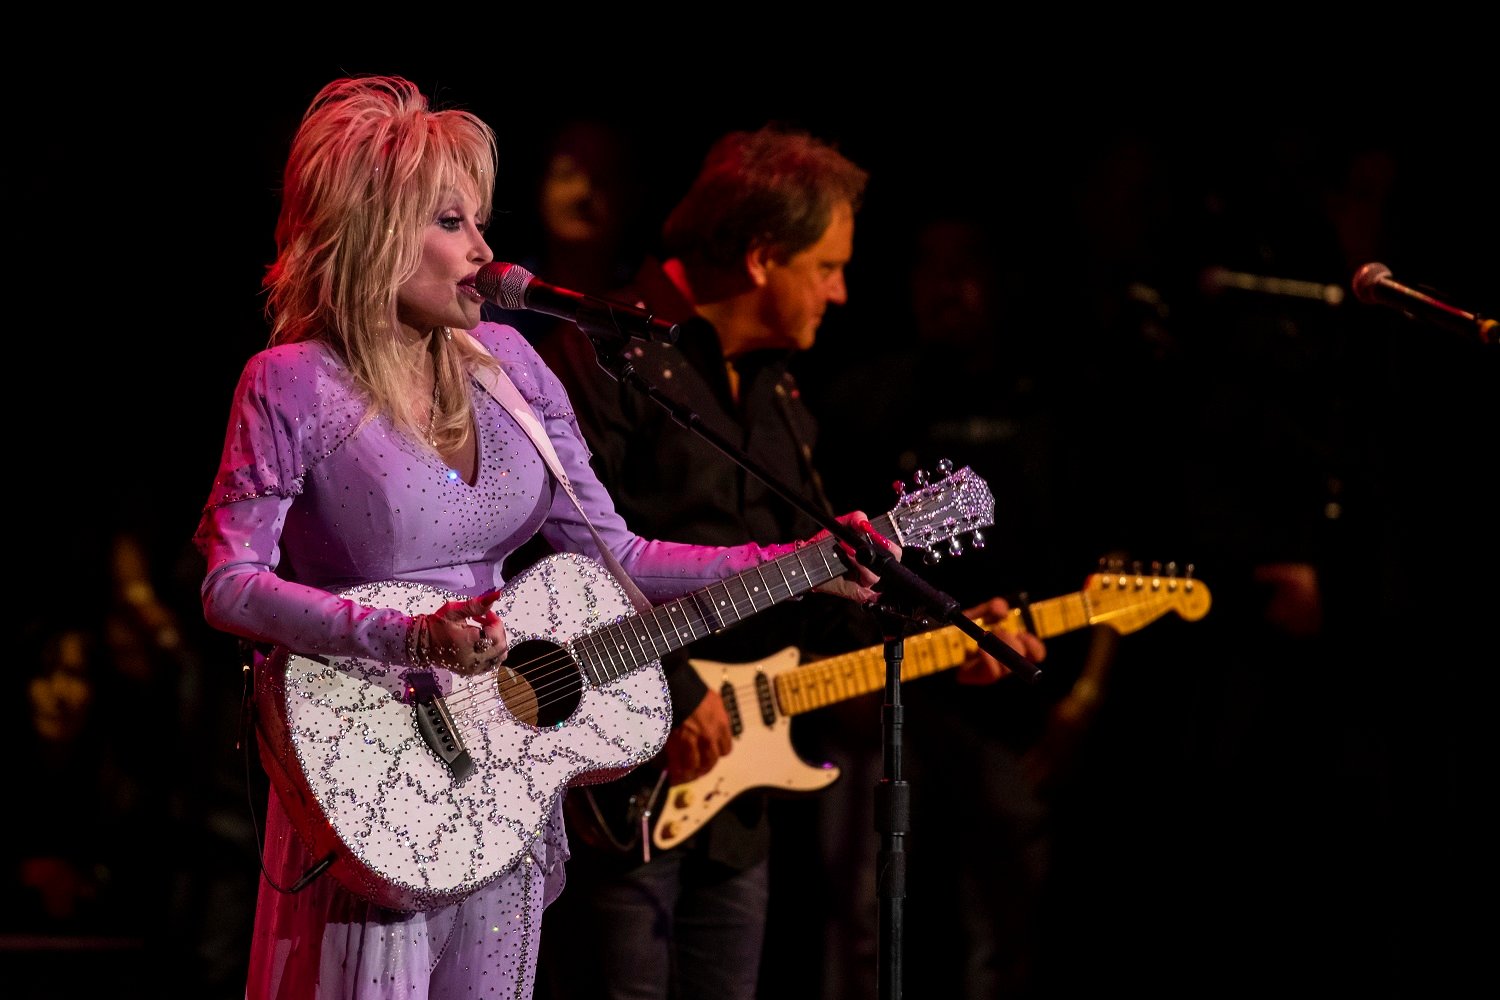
[(511, 286)]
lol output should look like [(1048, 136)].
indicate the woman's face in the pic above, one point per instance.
[(442, 291)]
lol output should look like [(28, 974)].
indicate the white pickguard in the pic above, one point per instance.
[(767, 694)]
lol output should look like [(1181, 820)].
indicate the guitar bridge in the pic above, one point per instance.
[(436, 725)]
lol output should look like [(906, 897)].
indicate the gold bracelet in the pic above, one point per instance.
[(418, 643)]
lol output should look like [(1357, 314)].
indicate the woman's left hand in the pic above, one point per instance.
[(857, 584)]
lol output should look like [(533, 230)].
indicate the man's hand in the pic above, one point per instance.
[(980, 667), (695, 747)]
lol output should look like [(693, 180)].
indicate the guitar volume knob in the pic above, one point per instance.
[(683, 798)]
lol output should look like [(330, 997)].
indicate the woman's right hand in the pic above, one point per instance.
[(465, 636)]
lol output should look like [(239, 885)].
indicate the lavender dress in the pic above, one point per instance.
[(310, 500)]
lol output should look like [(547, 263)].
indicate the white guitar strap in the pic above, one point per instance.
[(504, 390)]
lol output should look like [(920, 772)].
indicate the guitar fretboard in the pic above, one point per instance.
[(622, 647), (1123, 606), (849, 675)]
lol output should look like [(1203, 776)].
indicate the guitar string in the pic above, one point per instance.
[(833, 677), (836, 674), (556, 679), (552, 678)]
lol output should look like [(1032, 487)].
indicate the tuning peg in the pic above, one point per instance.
[(945, 467), (955, 547), (920, 477), (899, 487), (977, 540), (933, 557)]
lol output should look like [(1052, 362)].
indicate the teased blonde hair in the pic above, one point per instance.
[(368, 170)]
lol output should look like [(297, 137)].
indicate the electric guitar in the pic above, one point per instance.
[(764, 696), (415, 787)]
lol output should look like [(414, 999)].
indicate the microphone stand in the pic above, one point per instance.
[(892, 802)]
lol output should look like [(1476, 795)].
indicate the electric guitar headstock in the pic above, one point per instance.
[(1127, 600)]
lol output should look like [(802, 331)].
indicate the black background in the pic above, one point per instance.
[(149, 172)]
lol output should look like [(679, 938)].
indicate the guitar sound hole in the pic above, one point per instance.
[(541, 686)]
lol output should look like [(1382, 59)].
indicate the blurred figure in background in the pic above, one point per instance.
[(110, 764), (585, 232), (966, 378)]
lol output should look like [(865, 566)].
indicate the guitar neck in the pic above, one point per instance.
[(615, 650), (850, 675)]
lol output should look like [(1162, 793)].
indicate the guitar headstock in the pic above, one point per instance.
[(1129, 600), (941, 511)]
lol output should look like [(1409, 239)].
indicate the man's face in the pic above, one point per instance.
[(799, 289)]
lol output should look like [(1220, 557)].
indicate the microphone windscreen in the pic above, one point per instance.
[(1367, 280), (504, 284)]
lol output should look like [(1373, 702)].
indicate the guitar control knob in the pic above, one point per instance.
[(683, 798), (668, 831)]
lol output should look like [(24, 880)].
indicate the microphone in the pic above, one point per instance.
[(1215, 280), (511, 286), (1373, 286)]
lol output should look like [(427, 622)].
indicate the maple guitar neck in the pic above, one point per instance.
[(849, 675), (1122, 602)]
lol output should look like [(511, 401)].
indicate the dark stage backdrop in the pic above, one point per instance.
[(1332, 805)]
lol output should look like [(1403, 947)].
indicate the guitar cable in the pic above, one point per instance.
[(603, 826)]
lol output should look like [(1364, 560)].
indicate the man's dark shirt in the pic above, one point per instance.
[(668, 483)]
